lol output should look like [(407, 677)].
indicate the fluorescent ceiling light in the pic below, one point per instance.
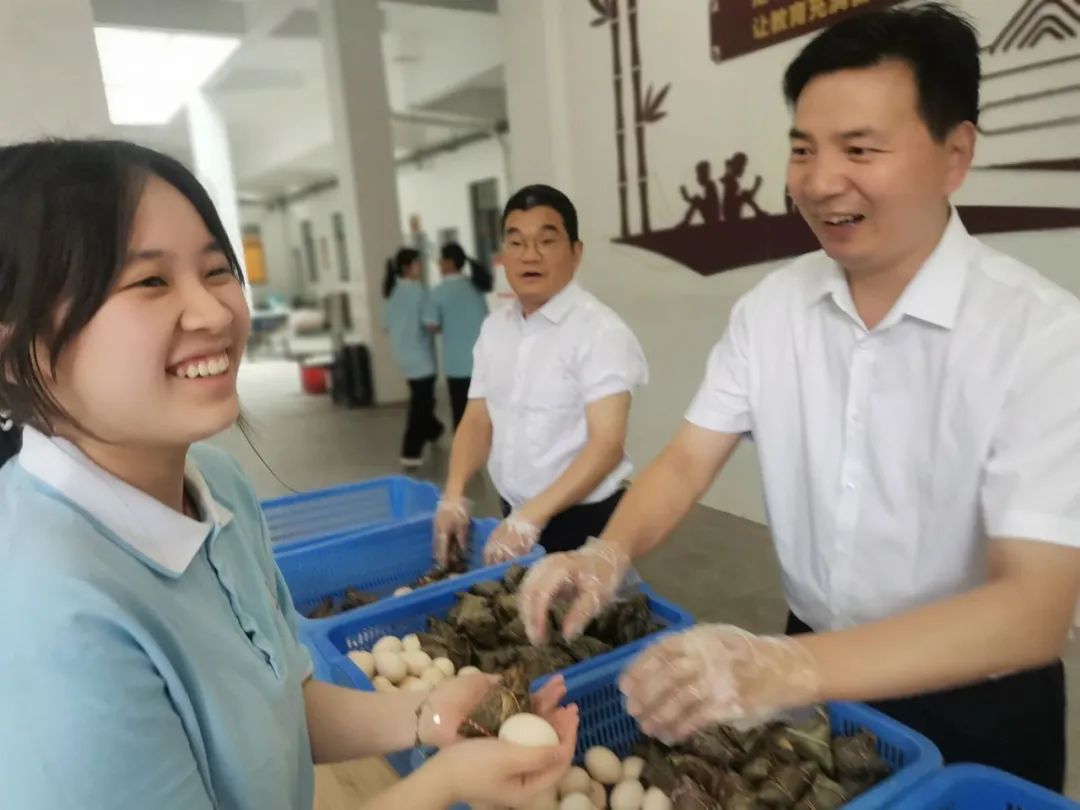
[(150, 74)]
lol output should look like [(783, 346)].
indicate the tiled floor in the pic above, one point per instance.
[(718, 566)]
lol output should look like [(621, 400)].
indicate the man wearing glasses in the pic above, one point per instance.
[(550, 396)]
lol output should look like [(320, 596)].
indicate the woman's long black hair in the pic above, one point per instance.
[(480, 275), (66, 211), (395, 268)]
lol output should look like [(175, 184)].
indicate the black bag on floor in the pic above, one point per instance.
[(350, 377)]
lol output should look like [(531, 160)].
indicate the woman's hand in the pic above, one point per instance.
[(502, 773), (455, 699)]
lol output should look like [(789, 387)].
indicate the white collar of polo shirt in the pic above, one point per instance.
[(166, 538), (559, 304), (933, 295)]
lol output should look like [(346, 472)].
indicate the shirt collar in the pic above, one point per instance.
[(560, 304), (933, 295), (161, 537)]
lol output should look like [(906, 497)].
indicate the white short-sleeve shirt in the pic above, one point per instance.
[(888, 456), (536, 376)]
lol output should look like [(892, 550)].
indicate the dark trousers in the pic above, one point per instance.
[(459, 396), (422, 426), (1015, 723), (570, 529)]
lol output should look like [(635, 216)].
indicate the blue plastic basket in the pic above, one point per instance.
[(360, 629), (377, 561), (604, 721), (348, 508), (976, 787)]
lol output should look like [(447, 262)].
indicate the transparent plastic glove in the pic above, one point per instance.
[(451, 527), (717, 673), (511, 539), (588, 579)]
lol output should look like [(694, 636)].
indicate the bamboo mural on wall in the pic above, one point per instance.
[(609, 14), (723, 230), (648, 108)]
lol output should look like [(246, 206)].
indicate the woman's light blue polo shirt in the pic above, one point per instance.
[(147, 660), (459, 309), (413, 345)]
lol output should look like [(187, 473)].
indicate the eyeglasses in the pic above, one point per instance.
[(545, 245)]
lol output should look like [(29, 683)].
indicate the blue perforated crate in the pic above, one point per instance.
[(361, 630), (378, 561), (976, 787), (604, 721), (408, 614), (349, 508)]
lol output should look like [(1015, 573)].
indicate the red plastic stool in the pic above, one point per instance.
[(314, 374)]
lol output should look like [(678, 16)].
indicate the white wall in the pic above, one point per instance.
[(713, 111), (438, 190)]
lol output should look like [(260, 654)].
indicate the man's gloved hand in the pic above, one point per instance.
[(717, 673), (588, 578), (511, 539), (451, 528)]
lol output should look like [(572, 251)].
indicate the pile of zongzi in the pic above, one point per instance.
[(781, 767)]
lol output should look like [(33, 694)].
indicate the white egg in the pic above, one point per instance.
[(576, 801), (468, 671), (627, 795), (391, 665), (382, 684), (417, 661), (655, 799), (545, 801), (433, 676), (603, 765), (576, 780), (445, 665), (364, 661), (387, 644), (413, 684), (599, 796), (632, 768), (410, 642), (404, 589), (528, 729)]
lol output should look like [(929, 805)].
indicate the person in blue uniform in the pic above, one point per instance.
[(414, 350), (456, 309), (148, 651)]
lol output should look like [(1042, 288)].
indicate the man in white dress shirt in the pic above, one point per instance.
[(553, 376), (914, 397)]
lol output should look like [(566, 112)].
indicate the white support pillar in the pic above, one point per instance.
[(213, 166), (360, 121), (537, 93)]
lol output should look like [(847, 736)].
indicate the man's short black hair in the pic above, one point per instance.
[(537, 195), (939, 44)]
